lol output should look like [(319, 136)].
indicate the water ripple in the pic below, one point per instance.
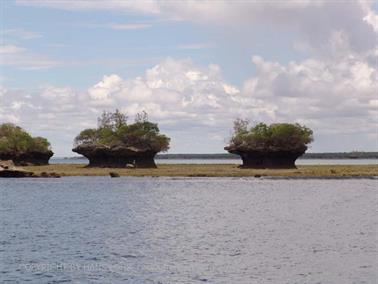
[(188, 230)]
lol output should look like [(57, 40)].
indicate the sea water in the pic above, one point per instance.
[(188, 230)]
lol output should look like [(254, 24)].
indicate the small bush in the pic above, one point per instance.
[(273, 137)]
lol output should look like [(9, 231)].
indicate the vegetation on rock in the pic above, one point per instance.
[(274, 137), (115, 143), (269, 146), (18, 145), (113, 130), (15, 139)]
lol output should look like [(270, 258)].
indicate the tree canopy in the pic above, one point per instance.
[(273, 137), (113, 130), (14, 139)]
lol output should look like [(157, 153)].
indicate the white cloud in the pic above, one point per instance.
[(371, 15), (20, 33), (331, 96), (135, 26), (189, 101), (10, 49), (194, 46), (334, 90), (315, 21), (19, 57), (176, 93), (100, 94), (145, 6), (173, 87), (121, 26)]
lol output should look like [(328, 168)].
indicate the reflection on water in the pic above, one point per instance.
[(188, 230), (236, 161)]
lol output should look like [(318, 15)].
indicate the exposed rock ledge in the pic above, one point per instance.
[(267, 159), (8, 170), (116, 156), (31, 158)]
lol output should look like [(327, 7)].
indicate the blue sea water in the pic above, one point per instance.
[(188, 230)]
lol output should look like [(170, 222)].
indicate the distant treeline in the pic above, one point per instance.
[(345, 155)]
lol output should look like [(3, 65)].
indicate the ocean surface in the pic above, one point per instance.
[(234, 161), (188, 230)]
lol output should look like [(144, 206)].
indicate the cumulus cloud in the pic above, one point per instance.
[(334, 96), (53, 112), (171, 90), (195, 103), (333, 90), (176, 93)]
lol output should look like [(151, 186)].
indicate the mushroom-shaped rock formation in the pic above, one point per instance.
[(116, 144), (269, 146), (17, 145)]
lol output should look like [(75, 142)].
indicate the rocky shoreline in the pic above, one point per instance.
[(9, 170), (213, 170), (36, 158)]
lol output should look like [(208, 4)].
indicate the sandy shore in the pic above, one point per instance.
[(213, 170)]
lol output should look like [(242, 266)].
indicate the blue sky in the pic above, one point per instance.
[(90, 44), (194, 66)]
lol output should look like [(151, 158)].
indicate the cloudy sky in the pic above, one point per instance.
[(194, 66)]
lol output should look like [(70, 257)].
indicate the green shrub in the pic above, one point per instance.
[(113, 130), (14, 139), (274, 137)]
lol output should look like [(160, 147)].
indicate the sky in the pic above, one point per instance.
[(194, 66)]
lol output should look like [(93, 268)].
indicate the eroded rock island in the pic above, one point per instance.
[(116, 156), (115, 143), (29, 158), (23, 149), (267, 159), (275, 146)]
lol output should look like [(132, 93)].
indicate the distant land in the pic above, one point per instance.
[(329, 155), (346, 155)]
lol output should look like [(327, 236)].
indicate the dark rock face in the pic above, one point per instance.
[(31, 158), (267, 159), (49, 175), (21, 173), (114, 175), (116, 156), (12, 173), (8, 170)]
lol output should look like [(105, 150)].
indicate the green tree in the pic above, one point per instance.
[(14, 139), (87, 136), (112, 120), (114, 130)]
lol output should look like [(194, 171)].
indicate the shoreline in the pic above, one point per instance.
[(216, 170), (226, 156)]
